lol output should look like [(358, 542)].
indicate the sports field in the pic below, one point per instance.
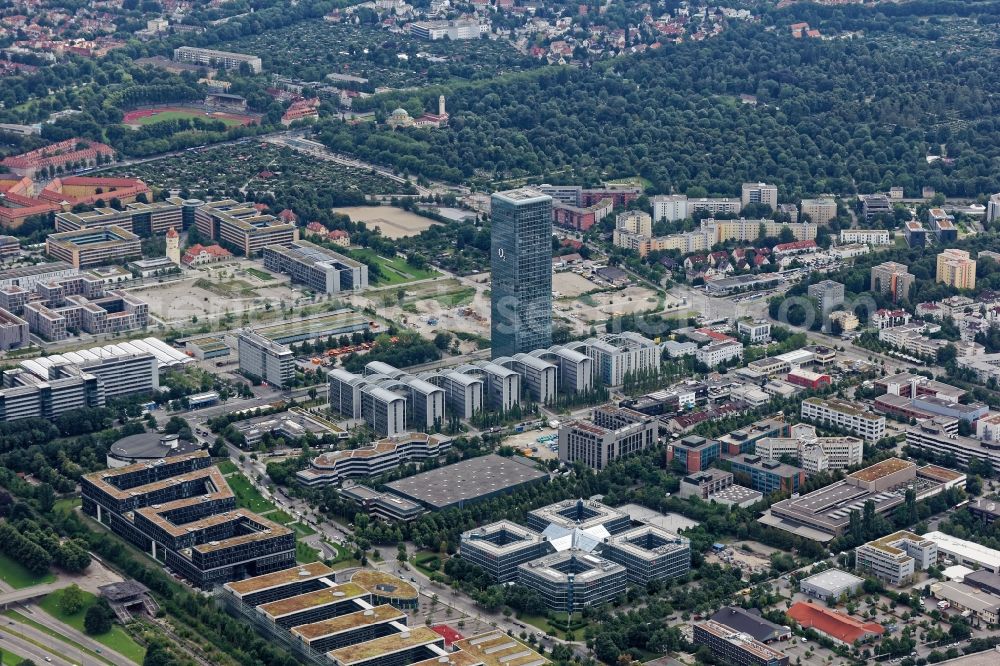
[(160, 114)]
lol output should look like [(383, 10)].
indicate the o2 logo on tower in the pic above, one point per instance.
[(501, 254)]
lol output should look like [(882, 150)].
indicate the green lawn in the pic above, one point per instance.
[(17, 576), (279, 516), (117, 639), (302, 530), (247, 496), (177, 115), (227, 467), (305, 554), (66, 505), (395, 270)]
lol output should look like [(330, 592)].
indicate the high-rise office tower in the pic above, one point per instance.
[(521, 251)]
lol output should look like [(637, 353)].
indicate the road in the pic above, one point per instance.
[(63, 653), (46, 620), (14, 643)]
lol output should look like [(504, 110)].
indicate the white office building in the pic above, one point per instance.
[(896, 557), (845, 415), (265, 359), (670, 207)]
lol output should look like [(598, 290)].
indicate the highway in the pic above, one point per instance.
[(57, 653), (13, 642)]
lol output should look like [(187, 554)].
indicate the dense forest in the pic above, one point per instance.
[(839, 116)]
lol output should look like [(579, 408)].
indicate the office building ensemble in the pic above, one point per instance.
[(766, 476), (813, 453), (845, 415), (327, 618), (956, 269), (610, 433), (896, 558), (892, 279), (142, 219), (264, 359), (749, 621), (576, 553), (736, 647), (324, 270), (93, 247), (939, 436), (382, 456), (216, 59), (49, 386), (181, 511), (873, 205), (521, 270), (241, 228)]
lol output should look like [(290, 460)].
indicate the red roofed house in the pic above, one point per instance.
[(842, 628), (316, 228), (795, 247), (73, 190), (301, 110), (77, 152), (288, 216), (715, 335), (198, 254), (16, 202), (339, 237)]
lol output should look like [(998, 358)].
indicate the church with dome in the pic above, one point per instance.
[(401, 118)]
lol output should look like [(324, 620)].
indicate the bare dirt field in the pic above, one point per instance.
[(568, 284), (394, 222), (212, 292)]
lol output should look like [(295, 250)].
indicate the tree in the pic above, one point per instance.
[(96, 621), (72, 600)]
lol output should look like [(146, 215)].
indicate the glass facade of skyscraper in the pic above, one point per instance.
[(521, 297)]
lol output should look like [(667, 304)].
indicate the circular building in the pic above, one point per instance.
[(399, 118), (147, 446)]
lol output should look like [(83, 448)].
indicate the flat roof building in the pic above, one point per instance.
[(649, 553), (983, 606), (897, 557), (93, 247), (324, 270), (242, 228), (846, 415), (265, 360), (965, 552), (572, 580), (610, 433), (467, 481), (736, 647), (216, 59), (382, 456), (501, 547), (831, 584), (749, 621), (521, 262)]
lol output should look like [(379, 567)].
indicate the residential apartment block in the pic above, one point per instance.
[(216, 59), (845, 415), (865, 236), (956, 269), (760, 193), (893, 279), (820, 211)]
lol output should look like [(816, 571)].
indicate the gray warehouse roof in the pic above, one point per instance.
[(466, 481)]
